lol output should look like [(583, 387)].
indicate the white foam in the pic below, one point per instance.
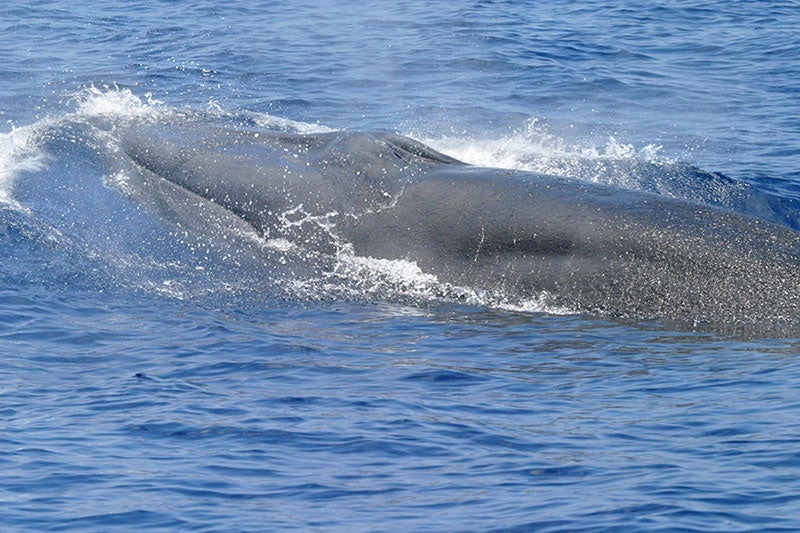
[(542, 303), (403, 279), (265, 120), (298, 217), (280, 245), (375, 275), (112, 101), (532, 148), (21, 148), (19, 152)]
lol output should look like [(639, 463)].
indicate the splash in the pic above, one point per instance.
[(384, 276), (22, 148), (533, 148), (114, 102), (541, 303), (119, 103), (271, 122), (20, 152), (401, 280)]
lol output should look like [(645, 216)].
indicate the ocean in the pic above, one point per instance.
[(164, 367)]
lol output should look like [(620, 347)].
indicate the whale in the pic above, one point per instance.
[(591, 248)]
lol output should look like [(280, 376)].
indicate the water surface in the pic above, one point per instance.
[(158, 376)]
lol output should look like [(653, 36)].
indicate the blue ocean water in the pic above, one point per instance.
[(172, 373)]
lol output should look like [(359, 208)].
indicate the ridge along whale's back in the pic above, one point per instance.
[(587, 247)]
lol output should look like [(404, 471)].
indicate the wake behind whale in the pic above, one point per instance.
[(581, 246)]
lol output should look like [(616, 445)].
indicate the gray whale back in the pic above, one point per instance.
[(277, 171), (587, 247)]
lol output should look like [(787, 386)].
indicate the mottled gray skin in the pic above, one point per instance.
[(592, 248)]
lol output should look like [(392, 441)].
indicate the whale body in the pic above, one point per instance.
[(588, 247)]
